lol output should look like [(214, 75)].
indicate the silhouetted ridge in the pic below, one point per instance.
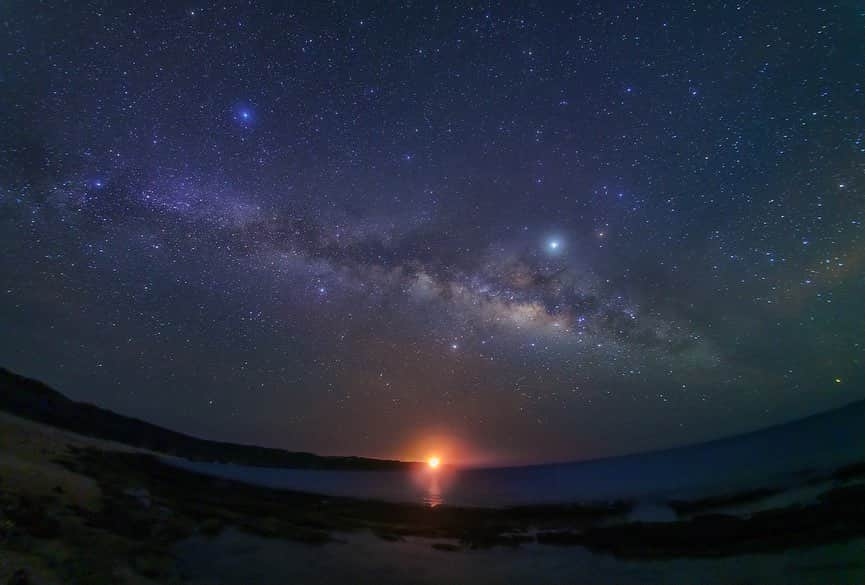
[(36, 401)]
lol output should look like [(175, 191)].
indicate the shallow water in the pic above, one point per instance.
[(235, 558)]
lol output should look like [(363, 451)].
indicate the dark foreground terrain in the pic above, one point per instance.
[(88, 513), (82, 510)]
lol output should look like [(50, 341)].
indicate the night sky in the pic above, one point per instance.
[(517, 233)]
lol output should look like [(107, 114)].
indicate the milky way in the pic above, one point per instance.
[(534, 232)]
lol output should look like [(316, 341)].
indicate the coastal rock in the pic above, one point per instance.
[(141, 495)]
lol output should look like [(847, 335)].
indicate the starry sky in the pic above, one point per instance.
[(506, 233)]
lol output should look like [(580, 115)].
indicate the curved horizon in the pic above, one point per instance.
[(445, 464)]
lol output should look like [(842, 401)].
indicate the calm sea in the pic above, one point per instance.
[(773, 457)]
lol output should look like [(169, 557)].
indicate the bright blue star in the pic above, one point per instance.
[(244, 115), (554, 245)]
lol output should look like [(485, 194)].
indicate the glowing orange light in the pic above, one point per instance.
[(433, 462)]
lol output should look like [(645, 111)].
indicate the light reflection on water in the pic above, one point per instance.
[(433, 496), (819, 443)]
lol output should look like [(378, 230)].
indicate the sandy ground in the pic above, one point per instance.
[(28, 452)]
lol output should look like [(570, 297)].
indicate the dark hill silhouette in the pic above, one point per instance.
[(36, 401)]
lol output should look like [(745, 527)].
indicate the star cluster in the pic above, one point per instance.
[(546, 231)]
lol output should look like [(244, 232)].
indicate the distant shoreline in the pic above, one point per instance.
[(36, 401)]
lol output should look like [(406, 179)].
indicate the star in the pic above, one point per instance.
[(244, 115), (383, 194)]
